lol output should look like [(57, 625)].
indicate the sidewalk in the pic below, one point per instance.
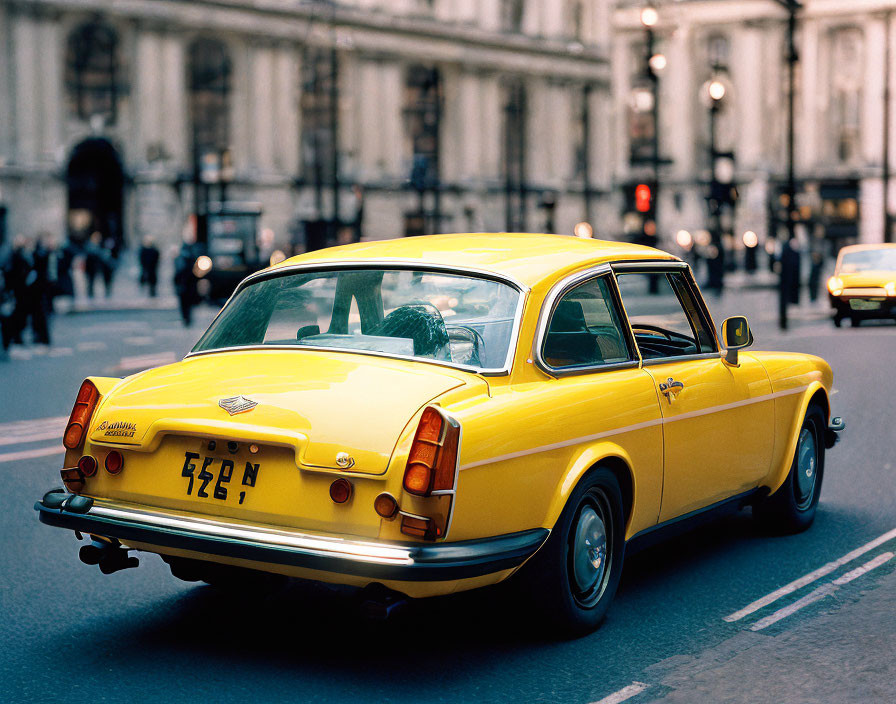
[(127, 293)]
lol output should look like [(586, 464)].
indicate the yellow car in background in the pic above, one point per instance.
[(863, 286), (435, 414)]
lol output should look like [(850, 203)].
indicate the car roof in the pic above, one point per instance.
[(861, 247), (528, 258)]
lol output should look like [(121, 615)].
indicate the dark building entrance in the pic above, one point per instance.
[(95, 191)]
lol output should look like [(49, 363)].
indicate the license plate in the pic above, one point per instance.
[(862, 304), (218, 477)]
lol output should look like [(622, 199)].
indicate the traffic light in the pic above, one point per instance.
[(643, 196)]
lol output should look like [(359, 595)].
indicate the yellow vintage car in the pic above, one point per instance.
[(434, 414), (864, 283)]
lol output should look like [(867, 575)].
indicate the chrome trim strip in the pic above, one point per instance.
[(655, 361), (401, 561), (513, 342), (649, 264), (635, 426), (302, 542)]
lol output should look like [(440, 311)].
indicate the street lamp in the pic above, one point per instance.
[(654, 63), (790, 258), (719, 188)]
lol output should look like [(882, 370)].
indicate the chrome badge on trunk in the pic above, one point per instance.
[(237, 404)]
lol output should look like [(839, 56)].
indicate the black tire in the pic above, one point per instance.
[(557, 586), (855, 321), (838, 321), (791, 509)]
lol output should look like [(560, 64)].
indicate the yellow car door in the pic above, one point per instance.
[(718, 420)]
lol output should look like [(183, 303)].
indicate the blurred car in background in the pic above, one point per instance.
[(863, 286), (232, 251)]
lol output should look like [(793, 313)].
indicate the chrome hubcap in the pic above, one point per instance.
[(590, 552), (806, 468)]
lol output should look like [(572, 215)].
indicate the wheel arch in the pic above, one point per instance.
[(607, 456), (815, 394)]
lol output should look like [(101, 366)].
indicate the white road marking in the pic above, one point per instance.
[(24, 439), (145, 361), (90, 346), (821, 592), (139, 340), (809, 578), (61, 351), (634, 689), (881, 559), (31, 454)]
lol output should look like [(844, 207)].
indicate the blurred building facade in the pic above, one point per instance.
[(434, 115), (843, 116)]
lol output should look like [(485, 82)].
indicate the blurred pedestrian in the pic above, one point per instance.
[(7, 305), (185, 281), (17, 274), (94, 261), (40, 291), (65, 284), (149, 265), (110, 263)]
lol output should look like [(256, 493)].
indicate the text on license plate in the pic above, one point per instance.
[(862, 304), (202, 471)]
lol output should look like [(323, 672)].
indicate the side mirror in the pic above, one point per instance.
[(736, 335)]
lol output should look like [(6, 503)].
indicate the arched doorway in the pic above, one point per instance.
[(95, 191)]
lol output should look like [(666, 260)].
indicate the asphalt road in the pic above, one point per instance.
[(69, 633)]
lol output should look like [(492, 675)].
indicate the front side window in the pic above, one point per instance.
[(447, 317), (663, 314), (584, 329)]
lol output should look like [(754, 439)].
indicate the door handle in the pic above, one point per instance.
[(671, 388)]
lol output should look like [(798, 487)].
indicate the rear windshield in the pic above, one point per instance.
[(447, 317)]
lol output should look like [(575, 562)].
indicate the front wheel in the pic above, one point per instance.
[(572, 579), (792, 507)]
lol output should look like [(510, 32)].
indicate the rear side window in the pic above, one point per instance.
[(584, 329)]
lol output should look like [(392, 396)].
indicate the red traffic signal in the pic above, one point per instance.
[(642, 198)]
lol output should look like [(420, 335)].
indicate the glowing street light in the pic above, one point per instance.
[(716, 90), (658, 62), (649, 16)]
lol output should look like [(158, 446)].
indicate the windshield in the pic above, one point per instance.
[(455, 318), (868, 260)]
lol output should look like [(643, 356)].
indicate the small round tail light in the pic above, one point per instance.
[(87, 465), (341, 490), (114, 462), (385, 505)]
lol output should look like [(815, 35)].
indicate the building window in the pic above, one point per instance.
[(514, 161), (846, 92), (319, 106), (93, 74), (422, 112), (512, 15), (580, 127), (210, 85)]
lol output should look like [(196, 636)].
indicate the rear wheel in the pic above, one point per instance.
[(855, 321), (572, 579), (792, 507)]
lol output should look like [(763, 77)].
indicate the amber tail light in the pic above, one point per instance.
[(81, 413), (432, 461)]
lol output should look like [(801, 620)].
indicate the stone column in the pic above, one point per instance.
[(25, 45)]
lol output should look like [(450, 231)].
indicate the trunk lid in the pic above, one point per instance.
[(319, 403)]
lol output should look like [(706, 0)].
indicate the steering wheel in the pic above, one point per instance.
[(668, 334), (468, 334)]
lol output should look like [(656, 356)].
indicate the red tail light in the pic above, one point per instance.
[(432, 461), (81, 413), (114, 462)]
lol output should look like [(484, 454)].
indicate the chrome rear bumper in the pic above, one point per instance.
[(372, 559)]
